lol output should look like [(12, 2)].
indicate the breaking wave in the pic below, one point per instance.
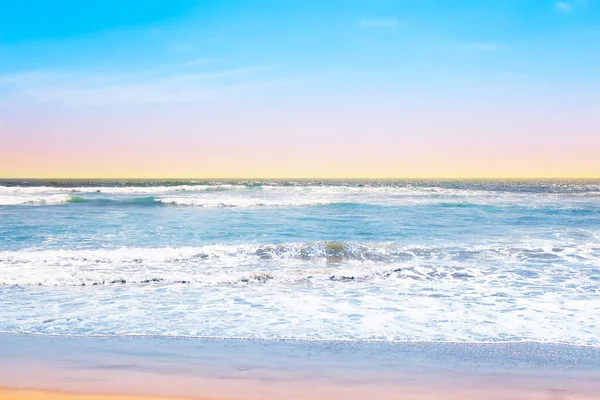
[(295, 263), (38, 200)]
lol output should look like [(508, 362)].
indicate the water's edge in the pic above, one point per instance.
[(179, 366)]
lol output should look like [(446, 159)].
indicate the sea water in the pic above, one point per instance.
[(444, 261)]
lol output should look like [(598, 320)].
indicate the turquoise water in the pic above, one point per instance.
[(485, 261)]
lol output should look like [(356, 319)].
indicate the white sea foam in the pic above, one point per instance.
[(228, 195), (518, 270), (233, 291), (10, 200), (300, 262), (135, 190)]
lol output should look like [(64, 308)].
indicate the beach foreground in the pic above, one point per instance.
[(67, 368), (16, 394)]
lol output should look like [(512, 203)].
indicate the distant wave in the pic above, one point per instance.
[(464, 188), (37, 200), (497, 185), (205, 202), (242, 202), (302, 197), (55, 199), (133, 190), (133, 201)]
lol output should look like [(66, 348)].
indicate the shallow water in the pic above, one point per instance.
[(485, 261)]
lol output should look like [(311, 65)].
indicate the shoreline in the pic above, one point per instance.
[(303, 340), (36, 367)]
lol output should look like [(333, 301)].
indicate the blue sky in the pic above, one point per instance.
[(434, 69), (385, 43)]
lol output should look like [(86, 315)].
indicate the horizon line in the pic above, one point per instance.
[(425, 178)]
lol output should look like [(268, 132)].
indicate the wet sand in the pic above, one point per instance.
[(19, 394), (60, 368)]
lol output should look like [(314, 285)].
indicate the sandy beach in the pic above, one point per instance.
[(322, 394), (61, 368), (16, 394)]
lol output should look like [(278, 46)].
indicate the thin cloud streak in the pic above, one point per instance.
[(146, 87), (486, 46), (563, 6), (180, 47), (201, 62), (378, 22)]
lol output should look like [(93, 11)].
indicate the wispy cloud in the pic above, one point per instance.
[(486, 46), (200, 62), (143, 87), (183, 47), (563, 6), (378, 22), (566, 6)]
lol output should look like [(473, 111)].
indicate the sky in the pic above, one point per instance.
[(300, 89)]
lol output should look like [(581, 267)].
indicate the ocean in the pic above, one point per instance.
[(401, 261)]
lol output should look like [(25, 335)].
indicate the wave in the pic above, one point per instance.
[(25, 190), (515, 185), (307, 251), (422, 189), (306, 276), (242, 202), (154, 201), (544, 195), (585, 205), (131, 201), (291, 263), (55, 199), (38, 200)]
